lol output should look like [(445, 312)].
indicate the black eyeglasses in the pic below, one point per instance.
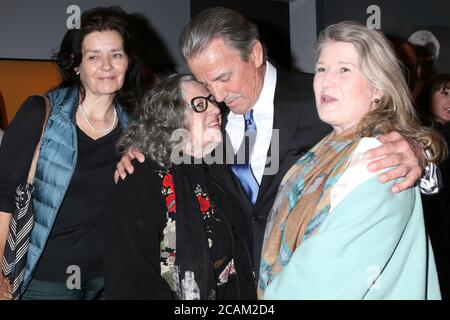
[(200, 104)]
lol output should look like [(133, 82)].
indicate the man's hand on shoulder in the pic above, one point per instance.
[(396, 152), (124, 166)]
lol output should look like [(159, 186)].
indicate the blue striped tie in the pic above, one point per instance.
[(242, 167)]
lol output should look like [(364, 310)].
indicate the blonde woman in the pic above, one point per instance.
[(334, 231)]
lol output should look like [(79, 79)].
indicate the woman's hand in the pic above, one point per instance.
[(396, 151)]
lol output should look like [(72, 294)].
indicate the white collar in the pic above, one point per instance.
[(261, 108)]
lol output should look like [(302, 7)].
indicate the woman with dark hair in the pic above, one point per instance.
[(71, 53), (77, 158), (434, 106), (434, 101), (174, 233)]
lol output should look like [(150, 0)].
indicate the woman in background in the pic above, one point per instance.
[(434, 104)]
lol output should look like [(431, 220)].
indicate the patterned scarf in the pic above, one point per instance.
[(303, 202)]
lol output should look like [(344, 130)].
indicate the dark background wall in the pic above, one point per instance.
[(394, 13), (33, 29), (272, 18), (399, 18)]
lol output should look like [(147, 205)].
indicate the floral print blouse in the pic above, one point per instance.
[(217, 232)]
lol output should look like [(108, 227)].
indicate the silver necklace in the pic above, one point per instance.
[(104, 131)]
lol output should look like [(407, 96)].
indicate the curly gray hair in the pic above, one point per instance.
[(162, 111)]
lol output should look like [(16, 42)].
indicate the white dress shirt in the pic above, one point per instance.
[(263, 111)]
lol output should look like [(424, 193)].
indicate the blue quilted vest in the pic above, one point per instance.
[(56, 164)]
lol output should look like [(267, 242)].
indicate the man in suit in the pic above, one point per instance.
[(223, 51)]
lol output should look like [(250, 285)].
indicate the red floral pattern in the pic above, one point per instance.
[(170, 197), (168, 247), (171, 203), (204, 203), (168, 182)]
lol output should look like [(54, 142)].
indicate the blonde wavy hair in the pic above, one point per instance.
[(395, 111)]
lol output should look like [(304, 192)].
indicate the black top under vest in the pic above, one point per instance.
[(76, 238)]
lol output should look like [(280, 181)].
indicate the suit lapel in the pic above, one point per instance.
[(286, 120)]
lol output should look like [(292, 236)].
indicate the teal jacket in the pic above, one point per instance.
[(56, 164), (372, 245)]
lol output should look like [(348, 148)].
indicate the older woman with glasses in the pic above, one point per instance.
[(174, 233)]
